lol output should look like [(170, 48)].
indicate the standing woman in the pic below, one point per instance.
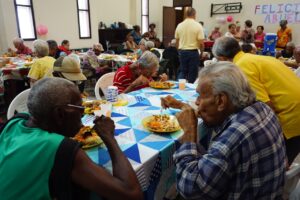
[(284, 34)]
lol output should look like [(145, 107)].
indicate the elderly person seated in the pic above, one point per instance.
[(242, 151), (38, 158), (68, 68), (136, 34), (296, 55), (65, 48), (20, 46), (97, 49), (215, 33), (130, 44), (53, 49), (231, 31), (91, 65), (274, 84), (136, 75), (43, 66), (287, 52), (171, 54)]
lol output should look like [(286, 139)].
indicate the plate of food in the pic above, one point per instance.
[(88, 137), (91, 106), (161, 84), (161, 123)]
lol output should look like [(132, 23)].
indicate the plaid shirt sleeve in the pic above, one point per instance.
[(200, 176)]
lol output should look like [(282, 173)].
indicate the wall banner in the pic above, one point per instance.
[(273, 13)]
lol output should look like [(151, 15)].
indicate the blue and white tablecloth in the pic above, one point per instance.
[(150, 154)]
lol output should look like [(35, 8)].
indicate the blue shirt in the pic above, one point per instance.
[(245, 159)]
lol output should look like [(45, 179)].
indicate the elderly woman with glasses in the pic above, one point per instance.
[(136, 75), (43, 66)]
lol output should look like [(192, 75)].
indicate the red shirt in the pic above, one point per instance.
[(124, 77), (25, 51), (62, 48)]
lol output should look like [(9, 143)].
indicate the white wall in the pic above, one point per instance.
[(60, 16), (203, 14)]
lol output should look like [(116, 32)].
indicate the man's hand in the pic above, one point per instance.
[(105, 127), (188, 122), (171, 102)]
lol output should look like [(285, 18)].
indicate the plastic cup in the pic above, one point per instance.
[(182, 83)]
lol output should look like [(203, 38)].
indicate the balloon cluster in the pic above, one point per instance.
[(223, 20)]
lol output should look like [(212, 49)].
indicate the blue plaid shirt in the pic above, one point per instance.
[(245, 159)]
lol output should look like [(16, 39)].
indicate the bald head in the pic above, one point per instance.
[(46, 94)]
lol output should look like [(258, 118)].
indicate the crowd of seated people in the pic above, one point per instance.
[(249, 106)]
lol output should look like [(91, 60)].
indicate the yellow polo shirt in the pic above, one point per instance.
[(189, 32), (273, 81), (42, 67)]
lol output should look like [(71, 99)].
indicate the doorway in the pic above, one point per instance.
[(171, 18)]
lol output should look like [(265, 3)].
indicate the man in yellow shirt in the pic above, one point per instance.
[(274, 84), (43, 66), (189, 38)]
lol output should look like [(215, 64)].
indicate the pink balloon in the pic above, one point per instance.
[(42, 30), (229, 18)]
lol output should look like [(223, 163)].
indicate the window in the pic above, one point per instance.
[(84, 19), (25, 19), (145, 15)]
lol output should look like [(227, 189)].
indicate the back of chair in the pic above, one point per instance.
[(19, 104), (103, 82), (292, 177)]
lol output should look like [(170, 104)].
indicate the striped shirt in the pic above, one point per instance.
[(124, 77), (245, 160)]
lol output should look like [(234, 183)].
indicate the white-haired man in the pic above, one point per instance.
[(20, 46), (243, 153)]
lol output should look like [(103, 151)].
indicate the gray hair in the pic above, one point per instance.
[(228, 78), (290, 44), (41, 48), (18, 41), (143, 41), (226, 47), (46, 94), (148, 59), (149, 45)]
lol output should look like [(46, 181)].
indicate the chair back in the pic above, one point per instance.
[(292, 177), (18, 104), (103, 82)]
